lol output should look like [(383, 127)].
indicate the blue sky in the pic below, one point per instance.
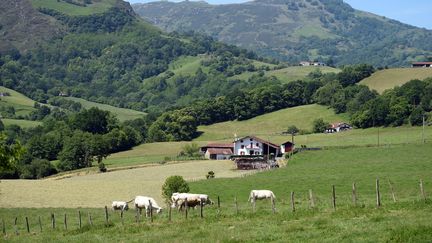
[(417, 12)]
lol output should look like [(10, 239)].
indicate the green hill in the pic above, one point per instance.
[(294, 30), (270, 124), (389, 78), (78, 7), (121, 113), (21, 123), (21, 103)]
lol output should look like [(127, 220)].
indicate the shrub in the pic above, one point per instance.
[(210, 175), (319, 125), (102, 167), (174, 184)]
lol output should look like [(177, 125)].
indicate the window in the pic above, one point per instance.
[(242, 153), (241, 141), (242, 147), (257, 153), (257, 144), (251, 139)]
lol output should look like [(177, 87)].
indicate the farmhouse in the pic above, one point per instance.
[(218, 151), (421, 64), (311, 63), (252, 145), (338, 127)]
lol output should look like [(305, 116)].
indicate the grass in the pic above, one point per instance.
[(389, 78), (122, 114), (289, 74), (21, 123), (97, 190), (270, 124), (98, 6), (22, 104), (408, 220)]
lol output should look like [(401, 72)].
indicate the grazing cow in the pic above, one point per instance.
[(144, 202), (120, 205), (260, 194), (193, 200)]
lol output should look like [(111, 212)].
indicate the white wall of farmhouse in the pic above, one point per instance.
[(248, 146)]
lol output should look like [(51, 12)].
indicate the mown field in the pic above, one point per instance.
[(270, 124), (97, 6), (389, 78), (408, 220), (122, 114)]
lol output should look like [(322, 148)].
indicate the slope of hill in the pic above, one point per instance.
[(294, 30), (22, 104), (121, 113), (270, 124), (389, 78)]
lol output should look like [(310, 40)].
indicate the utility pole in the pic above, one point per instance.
[(378, 138), (423, 129)]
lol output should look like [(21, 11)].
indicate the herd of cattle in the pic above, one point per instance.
[(181, 200)]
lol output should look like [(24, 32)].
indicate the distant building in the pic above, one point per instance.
[(218, 151), (421, 64), (338, 127), (311, 63), (286, 147), (252, 145)]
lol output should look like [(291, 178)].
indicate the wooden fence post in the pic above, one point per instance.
[(137, 215), (422, 190), (90, 219), (121, 216), (378, 196), (53, 224), (106, 215), (186, 207), (354, 194), (311, 198), (79, 219), (3, 227), (201, 209), (333, 197), (40, 224), (218, 203), (169, 214), (65, 222), (392, 190), (16, 226), (151, 211), (27, 225), (273, 204), (292, 202), (236, 205)]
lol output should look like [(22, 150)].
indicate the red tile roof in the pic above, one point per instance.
[(219, 151)]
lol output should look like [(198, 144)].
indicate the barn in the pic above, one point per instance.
[(286, 147), (217, 151)]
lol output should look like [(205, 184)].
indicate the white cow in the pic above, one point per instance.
[(120, 205), (260, 194), (193, 200), (144, 202)]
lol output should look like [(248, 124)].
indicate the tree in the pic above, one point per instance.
[(1, 126), (319, 125), (77, 152), (9, 154), (292, 130), (174, 184), (416, 117), (191, 150), (94, 120)]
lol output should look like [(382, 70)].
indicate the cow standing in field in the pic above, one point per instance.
[(144, 202), (179, 200), (120, 205), (260, 194)]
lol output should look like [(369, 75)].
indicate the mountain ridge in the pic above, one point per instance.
[(325, 30)]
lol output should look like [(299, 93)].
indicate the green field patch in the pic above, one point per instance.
[(122, 114), (22, 104), (290, 74), (21, 123), (270, 124), (390, 78), (97, 6)]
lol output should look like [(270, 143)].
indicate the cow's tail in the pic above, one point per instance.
[(130, 200)]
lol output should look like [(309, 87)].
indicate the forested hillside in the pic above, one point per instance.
[(295, 30)]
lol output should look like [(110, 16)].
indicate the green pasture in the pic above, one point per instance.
[(22, 104), (389, 78), (21, 123), (270, 124), (407, 220), (122, 114), (97, 6)]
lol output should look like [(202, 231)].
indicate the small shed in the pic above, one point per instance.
[(286, 147), (421, 64), (218, 153)]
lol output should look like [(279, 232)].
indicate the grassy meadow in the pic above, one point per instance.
[(21, 123), (122, 114), (390, 78), (97, 6), (23, 105), (407, 220)]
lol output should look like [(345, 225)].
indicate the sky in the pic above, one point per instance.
[(417, 12)]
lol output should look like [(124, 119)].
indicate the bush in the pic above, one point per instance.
[(319, 125), (102, 167), (210, 175), (174, 184)]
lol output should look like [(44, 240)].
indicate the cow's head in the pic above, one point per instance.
[(126, 207), (159, 210)]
